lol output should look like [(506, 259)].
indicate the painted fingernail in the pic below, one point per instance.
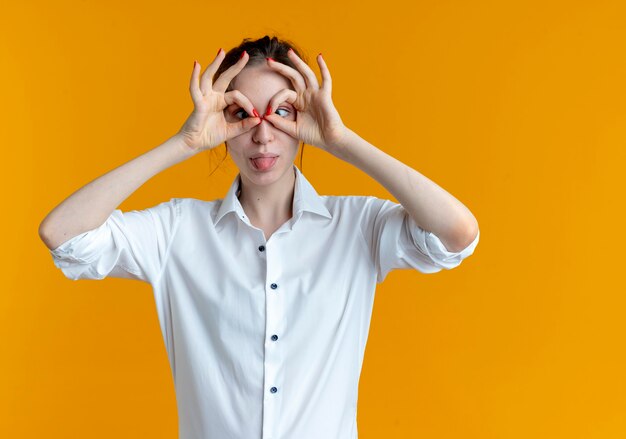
[(194, 63), (256, 113), (268, 111), (242, 53), (219, 50), (268, 58)]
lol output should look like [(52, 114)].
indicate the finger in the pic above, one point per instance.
[(238, 99), (234, 129), (221, 84), (288, 126), (205, 80), (294, 76), (327, 81), (284, 95), (194, 88), (304, 68)]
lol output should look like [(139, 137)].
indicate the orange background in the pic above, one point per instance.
[(516, 108)]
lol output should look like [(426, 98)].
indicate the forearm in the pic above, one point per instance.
[(430, 206), (91, 205)]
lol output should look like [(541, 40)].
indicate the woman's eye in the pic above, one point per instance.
[(241, 110)]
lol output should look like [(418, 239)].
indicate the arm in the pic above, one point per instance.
[(206, 128), (318, 123), (91, 205), (430, 206)]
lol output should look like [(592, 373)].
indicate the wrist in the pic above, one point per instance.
[(179, 141), (341, 147)]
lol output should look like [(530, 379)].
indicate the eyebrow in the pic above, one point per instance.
[(236, 105)]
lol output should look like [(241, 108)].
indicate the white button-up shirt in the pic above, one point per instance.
[(265, 338)]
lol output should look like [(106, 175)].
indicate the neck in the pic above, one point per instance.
[(269, 204)]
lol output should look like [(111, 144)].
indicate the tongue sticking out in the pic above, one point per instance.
[(264, 163)]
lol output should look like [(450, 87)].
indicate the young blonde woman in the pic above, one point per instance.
[(264, 297)]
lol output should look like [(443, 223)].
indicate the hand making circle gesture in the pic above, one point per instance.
[(206, 127), (318, 122)]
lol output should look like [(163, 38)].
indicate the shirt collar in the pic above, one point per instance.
[(305, 198)]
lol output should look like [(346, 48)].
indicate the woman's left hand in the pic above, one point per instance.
[(317, 122)]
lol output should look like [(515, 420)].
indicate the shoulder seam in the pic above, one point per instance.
[(178, 210), (366, 247)]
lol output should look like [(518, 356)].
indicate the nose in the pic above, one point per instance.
[(263, 132)]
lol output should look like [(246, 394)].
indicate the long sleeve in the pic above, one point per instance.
[(130, 245), (397, 242)]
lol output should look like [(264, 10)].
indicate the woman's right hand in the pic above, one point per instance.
[(206, 127)]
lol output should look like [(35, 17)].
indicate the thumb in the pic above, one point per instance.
[(245, 125), (282, 124)]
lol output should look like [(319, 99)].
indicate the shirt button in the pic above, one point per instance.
[(274, 337), (274, 286), (261, 248), (273, 390)]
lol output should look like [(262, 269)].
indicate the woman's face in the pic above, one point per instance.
[(259, 84)]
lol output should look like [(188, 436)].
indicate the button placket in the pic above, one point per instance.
[(274, 323)]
